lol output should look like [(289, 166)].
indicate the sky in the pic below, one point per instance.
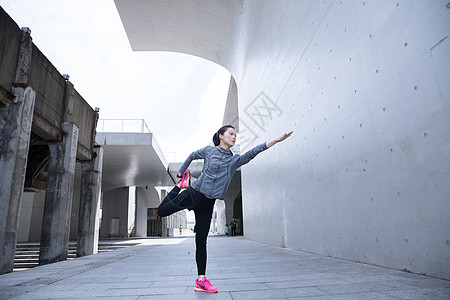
[(181, 97)]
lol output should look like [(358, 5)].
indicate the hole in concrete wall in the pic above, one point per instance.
[(376, 71), (398, 4), (415, 87), (406, 44), (370, 36), (392, 150), (384, 108), (360, 125), (425, 134)]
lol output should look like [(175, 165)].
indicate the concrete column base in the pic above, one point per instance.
[(89, 222), (58, 198)]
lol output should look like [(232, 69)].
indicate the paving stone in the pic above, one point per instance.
[(164, 268)]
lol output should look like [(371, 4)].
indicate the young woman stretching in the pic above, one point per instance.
[(218, 169)]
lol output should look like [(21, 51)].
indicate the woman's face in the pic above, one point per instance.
[(228, 138)]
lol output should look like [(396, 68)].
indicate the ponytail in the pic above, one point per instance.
[(216, 139)]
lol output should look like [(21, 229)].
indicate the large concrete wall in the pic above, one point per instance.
[(366, 88)]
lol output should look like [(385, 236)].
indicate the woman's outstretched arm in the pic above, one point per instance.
[(280, 139)]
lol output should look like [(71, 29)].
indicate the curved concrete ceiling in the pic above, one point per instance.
[(201, 28)]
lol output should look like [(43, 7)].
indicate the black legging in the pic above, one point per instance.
[(202, 207)]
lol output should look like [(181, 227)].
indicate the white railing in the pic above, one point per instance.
[(179, 156), (122, 125)]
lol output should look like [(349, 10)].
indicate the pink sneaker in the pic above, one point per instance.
[(186, 179), (204, 286)]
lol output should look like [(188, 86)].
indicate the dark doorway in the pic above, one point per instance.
[(237, 214)]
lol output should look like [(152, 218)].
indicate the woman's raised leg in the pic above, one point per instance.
[(174, 201)]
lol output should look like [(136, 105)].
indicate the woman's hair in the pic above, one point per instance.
[(216, 139)]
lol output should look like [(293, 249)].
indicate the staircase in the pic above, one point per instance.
[(27, 254)]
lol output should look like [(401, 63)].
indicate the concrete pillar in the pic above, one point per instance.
[(58, 199), (141, 212), (131, 216), (15, 129), (164, 220), (89, 216)]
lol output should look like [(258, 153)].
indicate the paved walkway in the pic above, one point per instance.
[(160, 268)]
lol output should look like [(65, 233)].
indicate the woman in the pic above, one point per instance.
[(218, 169)]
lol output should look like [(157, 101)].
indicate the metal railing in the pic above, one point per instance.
[(122, 125)]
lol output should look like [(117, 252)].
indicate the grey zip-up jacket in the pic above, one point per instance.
[(218, 169)]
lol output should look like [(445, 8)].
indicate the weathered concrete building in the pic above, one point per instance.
[(45, 128), (366, 88)]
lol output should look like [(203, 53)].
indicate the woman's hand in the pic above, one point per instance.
[(280, 139), (179, 175), (284, 136)]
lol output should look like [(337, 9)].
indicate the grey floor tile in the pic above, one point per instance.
[(166, 270)]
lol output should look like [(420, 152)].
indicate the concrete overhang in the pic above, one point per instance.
[(132, 159), (201, 28)]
